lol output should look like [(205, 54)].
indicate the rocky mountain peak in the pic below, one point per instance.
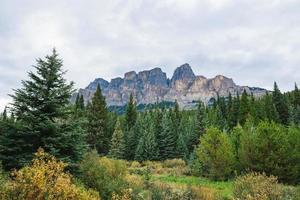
[(130, 75), (184, 72), (220, 82), (98, 81)]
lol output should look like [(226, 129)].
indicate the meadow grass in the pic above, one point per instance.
[(224, 188)]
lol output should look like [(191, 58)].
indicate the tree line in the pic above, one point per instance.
[(232, 135)]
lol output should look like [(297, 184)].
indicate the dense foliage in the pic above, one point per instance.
[(228, 137)]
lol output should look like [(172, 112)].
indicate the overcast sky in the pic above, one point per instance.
[(254, 42)]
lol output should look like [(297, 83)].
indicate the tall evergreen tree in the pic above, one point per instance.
[(296, 96), (176, 120), (81, 102), (222, 106), (235, 118), (147, 148), (181, 148), (280, 105), (189, 133), (269, 108), (200, 120), (167, 139), (4, 114), (131, 114), (98, 137), (117, 149), (77, 101), (41, 108), (133, 137), (244, 108), (230, 111), (194, 127)]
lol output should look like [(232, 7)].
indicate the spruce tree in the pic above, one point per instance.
[(41, 108), (133, 137), (176, 119), (117, 149), (147, 148), (181, 148), (131, 114), (98, 137), (77, 101), (200, 120), (280, 105), (244, 108), (269, 108), (296, 96), (235, 116), (167, 139), (4, 114), (189, 133), (81, 102), (231, 112)]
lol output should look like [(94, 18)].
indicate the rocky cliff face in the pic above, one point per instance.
[(153, 86)]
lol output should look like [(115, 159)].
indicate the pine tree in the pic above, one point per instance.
[(98, 137), (167, 138), (296, 96), (269, 108), (77, 101), (181, 148), (189, 133), (280, 105), (41, 108), (4, 114), (176, 120), (131, 114), (200, 120), (133, 137), (244, 108), (231, 112), (235, 118), (222, 106), (81, 102), (117, 149), (157, 121), (79, 109), (147, 148)]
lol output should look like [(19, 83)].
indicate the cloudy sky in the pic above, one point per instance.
[(254, 42)]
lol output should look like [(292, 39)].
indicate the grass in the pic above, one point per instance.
[(222, 187)]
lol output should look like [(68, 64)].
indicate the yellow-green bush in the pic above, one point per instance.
[(45, 179), (107, 176), (173, 167), (162, 191), (255, 186), (172, 163)]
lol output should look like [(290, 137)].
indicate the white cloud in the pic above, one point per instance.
[(254, 42)]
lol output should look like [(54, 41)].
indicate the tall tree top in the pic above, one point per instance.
[(131, 113), (46, 93)]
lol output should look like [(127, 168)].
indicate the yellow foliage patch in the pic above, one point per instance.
[(46, 179)]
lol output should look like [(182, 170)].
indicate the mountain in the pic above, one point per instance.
[(151, 86)]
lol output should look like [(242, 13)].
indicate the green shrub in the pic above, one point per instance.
[(273, 149), (216, 155), (105, 175)]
